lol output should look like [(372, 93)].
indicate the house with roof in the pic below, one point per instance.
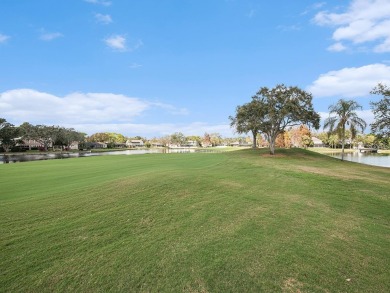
[(29, 144), (157, 144), (317, 143), (98, 145), (206, 144), (133, 143), (190, 144)]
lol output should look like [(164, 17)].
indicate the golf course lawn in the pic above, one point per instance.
[(241, 221)]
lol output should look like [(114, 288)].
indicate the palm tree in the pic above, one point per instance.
[(344, 115)]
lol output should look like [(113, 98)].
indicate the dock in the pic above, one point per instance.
[(368, 150)]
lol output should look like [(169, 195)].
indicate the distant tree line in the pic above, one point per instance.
[(28, 136), (55, 136)]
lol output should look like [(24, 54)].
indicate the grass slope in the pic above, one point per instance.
[(230, 222)]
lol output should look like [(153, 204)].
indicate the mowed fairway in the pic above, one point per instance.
[(230, 222)]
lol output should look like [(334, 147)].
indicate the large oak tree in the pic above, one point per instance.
[(282, 107)]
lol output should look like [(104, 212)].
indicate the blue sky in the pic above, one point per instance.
[(152, 68)]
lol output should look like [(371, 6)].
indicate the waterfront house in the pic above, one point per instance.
[(317, 143), (133, 143)]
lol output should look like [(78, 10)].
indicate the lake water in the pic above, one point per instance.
[(6, 159), (382, 160)]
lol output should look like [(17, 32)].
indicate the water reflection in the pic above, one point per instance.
[(382, 160), (6, 159)]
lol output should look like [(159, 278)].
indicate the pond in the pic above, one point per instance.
[(382, 160), (15, 158)]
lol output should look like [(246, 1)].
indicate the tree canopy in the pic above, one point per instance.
[(381, 110), (341, 115), (178, 138), (8, 134), (282, 107), (248, 118)]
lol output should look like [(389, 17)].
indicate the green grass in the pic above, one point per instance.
[(239, 221)]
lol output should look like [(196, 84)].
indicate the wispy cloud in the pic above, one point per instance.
[(116, 42), (103, 18), (289, 28), (99, 2), (251, 13), (337, 47), (197, 128), (50, 36), (318, 5), (170, 108), (351, 81), (313, 7), (363, 22), (136, 45), (3, 38), (135, 66)]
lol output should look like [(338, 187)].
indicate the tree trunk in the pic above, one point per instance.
[(6, 147), (342, 144), (254, 133), (271, 142)]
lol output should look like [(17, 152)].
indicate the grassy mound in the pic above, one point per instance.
[(240, 221)]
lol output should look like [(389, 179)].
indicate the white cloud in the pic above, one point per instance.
[(103, 18), (50, 36), (99, 2), (116, 42), (384, 47), (91, 112), (366, 115), (3, 38), (198, 128), (39, 107), (365, 21), (337, 47), (119, 43), (350, 82)]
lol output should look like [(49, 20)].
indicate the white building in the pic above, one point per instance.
[(134, 143)]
